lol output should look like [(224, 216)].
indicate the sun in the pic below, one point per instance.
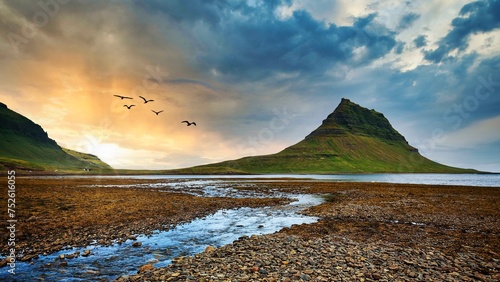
[(107, 152)]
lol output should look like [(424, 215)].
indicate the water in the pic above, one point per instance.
[(218, 229), (483, 180), (221, 228)]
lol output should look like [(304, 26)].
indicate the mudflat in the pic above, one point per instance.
[(366, 231)]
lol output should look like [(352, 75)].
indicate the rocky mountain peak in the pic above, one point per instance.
[(352, 118)]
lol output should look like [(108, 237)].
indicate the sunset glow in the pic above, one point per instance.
[(256, 76)]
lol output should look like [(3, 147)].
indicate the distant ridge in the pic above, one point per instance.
[(24, 145), (352, 139)]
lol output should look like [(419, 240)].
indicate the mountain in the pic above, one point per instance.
[(24, 145), (352, 139)]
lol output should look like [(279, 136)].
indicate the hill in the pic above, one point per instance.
[(352, 139), (24, 145)]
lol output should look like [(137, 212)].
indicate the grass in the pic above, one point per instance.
[(25, 154), (349, 153)]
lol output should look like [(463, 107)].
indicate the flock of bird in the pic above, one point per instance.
[(147, 101)]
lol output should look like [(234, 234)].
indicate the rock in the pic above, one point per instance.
[(146, 267), (209, 249), (86, 253), (393, 267), (136, 244), (26, 258), (4, 262), (62, 256), (178, 259), (63, 263)]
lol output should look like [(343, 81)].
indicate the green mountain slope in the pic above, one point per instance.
[(25, 145), (352, 139)]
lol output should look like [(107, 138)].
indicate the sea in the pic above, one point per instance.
[(481, 180)]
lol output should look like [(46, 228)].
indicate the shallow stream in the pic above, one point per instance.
[(221, 228)]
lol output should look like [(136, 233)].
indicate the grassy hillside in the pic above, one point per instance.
[(352, 139), (25, 146), (347, 154)]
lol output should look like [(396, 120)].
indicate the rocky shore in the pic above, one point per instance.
[(55, 214), (282, 257), (368, 232)]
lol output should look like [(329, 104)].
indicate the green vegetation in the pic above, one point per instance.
[(352, 139), (25, 146)]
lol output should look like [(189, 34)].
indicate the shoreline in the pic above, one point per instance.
[(55, 214), (451, 221), (367, 232)]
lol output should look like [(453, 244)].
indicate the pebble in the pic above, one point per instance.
[(283, 257), (146, 267), (209, 249)]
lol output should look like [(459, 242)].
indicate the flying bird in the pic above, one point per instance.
[(123, 97), (146, 100), (157, 112), (128, 107), (189, 123)]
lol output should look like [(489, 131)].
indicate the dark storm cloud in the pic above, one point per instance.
[(407, 20), (475, 17), (253, 42), (420, 41), (449, 96), (299, 44)]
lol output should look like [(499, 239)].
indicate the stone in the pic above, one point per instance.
[(136, 244), (146, 267), (209, 249)]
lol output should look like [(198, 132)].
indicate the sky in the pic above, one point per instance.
[(256, 76)]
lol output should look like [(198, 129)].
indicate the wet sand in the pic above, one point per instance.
[(367, 231)]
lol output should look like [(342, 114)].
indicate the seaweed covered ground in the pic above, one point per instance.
[(366, 231), (55, 213)]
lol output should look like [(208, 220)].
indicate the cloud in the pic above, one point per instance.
[(420, 41), (479, 133), (475, 17), (252, 42), (407, 20), (231, 65)]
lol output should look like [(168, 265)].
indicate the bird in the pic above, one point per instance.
[(157, 112), (146, 100), (123, 97), (128, 107), (189, 123)]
